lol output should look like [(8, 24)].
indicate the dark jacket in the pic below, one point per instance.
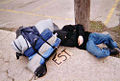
[(69, 35)]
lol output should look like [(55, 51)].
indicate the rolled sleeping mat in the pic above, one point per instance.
[(36, 58), (37, 64), (20, 44)]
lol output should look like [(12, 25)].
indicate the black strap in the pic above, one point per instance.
[(17, 46), (33, 46), (38, 52), (47, 42)]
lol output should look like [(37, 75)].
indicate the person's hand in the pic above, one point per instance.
[(80, 40)]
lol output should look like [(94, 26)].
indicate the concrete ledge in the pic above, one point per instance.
[(81, 66)]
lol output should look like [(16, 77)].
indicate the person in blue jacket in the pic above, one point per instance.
[(75, 35)]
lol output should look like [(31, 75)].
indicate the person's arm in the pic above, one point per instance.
[(80, 40), (80, 30)]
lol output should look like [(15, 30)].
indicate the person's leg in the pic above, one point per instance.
[(96, 51), (103, 38), (95, 39), (110, 42)]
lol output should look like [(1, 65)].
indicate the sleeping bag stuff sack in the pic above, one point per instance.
[(38, 45)]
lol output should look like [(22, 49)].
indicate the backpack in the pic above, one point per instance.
[(37, 46)]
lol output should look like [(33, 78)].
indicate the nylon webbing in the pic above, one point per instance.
[(47, 42)]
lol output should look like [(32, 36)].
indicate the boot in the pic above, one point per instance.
[(114, 52)]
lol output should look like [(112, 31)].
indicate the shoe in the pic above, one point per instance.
[(114, 52)]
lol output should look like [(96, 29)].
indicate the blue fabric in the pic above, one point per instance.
[(48, 52), (97, 38), (46, 34), (30, 33)]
